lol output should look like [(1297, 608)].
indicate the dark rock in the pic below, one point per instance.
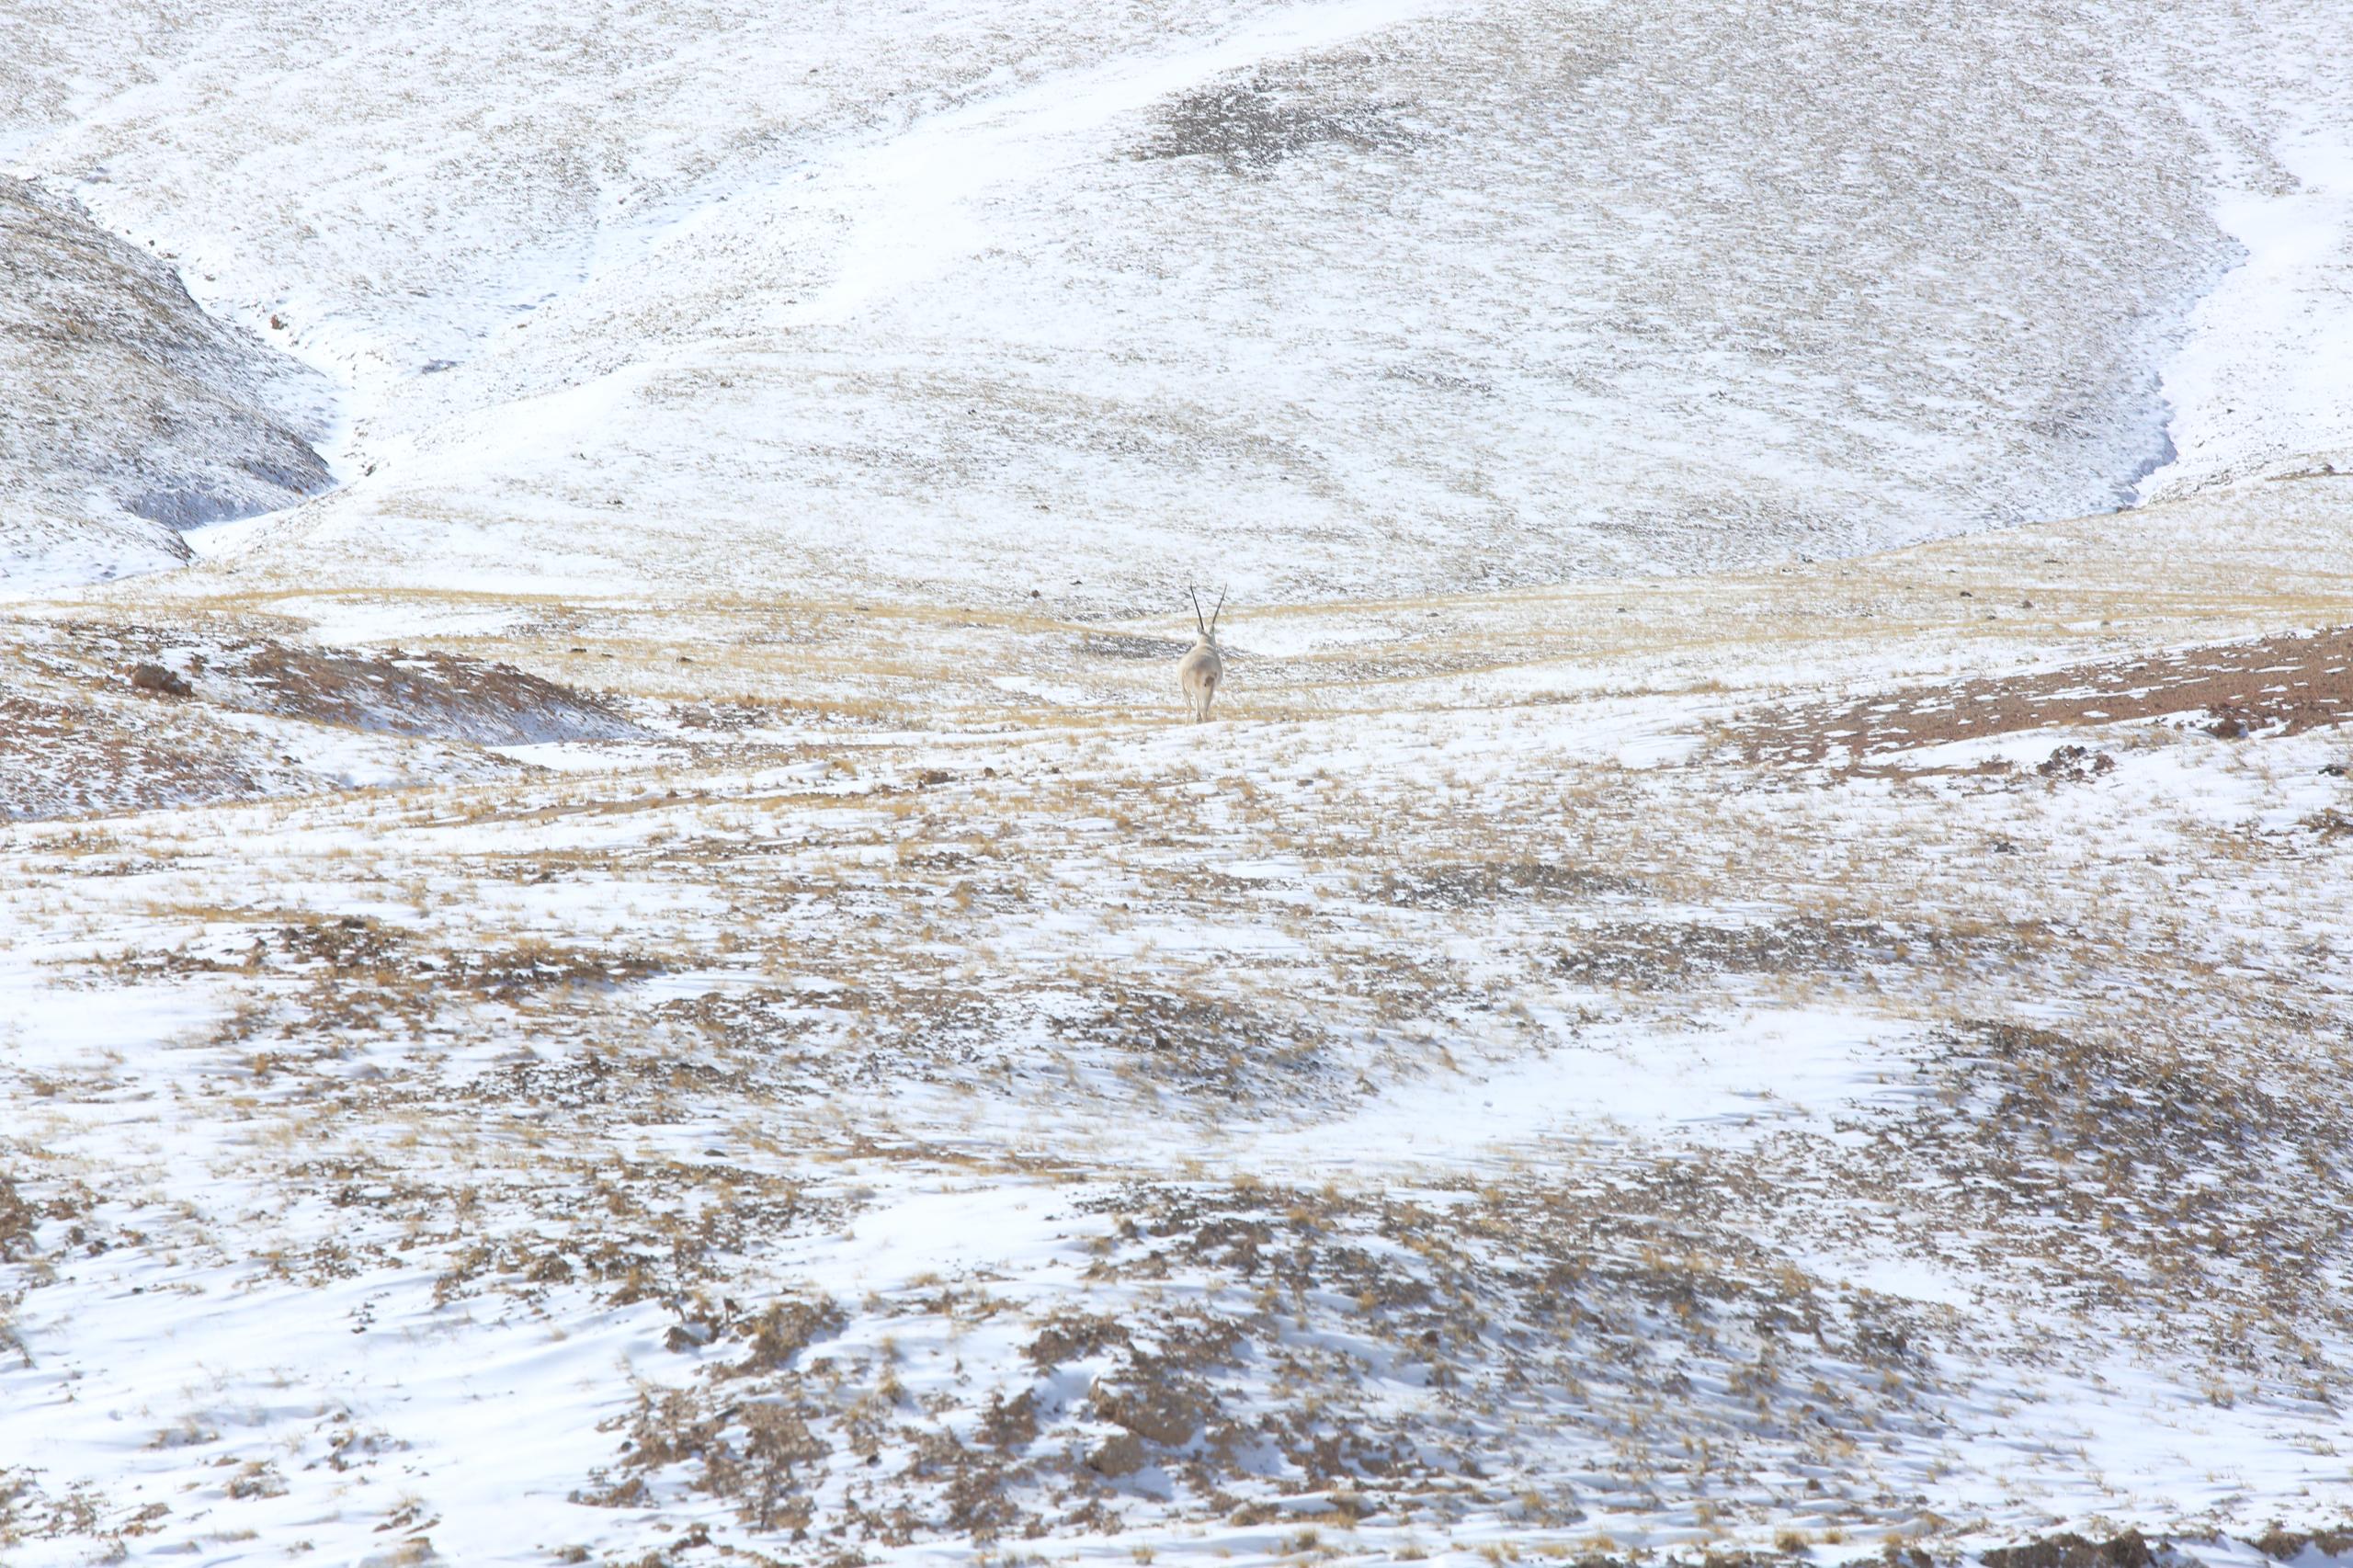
[(157, 678)]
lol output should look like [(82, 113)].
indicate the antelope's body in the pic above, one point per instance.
[(1202, 669), (1200, 672)]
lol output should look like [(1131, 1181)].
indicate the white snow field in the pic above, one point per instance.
[(1396, 297), (1755, 967)]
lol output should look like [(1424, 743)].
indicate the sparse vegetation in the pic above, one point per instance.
[(1540, 1062)]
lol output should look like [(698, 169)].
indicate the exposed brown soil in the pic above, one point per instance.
[(2281, 685), (2126, 1550), (1236, 1053), (60, 760), (62, 755), (15, 1220), (1472, 885), (1250, 126), (2283, 1545), (392, 692), (1654, 953), (423, 694)]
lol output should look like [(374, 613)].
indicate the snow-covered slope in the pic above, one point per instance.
[(130, 415), (1323, 298)]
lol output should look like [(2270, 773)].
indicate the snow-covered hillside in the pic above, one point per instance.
[(1750, 970), (1388, 296), (130, 415)]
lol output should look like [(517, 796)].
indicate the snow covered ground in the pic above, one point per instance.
[(1749, 969), (1394, 296), (1522, 1085)]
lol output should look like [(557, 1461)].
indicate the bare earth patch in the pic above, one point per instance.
[(2278, 685)]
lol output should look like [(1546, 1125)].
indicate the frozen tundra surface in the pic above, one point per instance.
[(130, 415), (1836, 1059), (631, 997), (1402, 295)]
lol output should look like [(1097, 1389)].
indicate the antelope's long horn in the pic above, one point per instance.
[(1215, 613), (1196, 610)]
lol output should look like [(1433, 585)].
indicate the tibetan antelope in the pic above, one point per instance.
[(1203, 667)]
